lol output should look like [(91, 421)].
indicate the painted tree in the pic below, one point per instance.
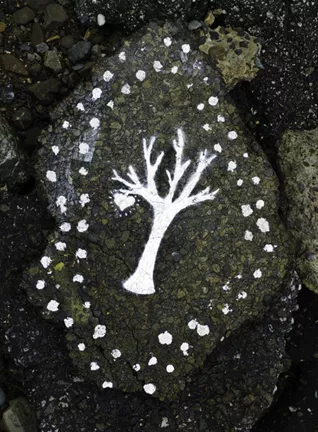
[(164, 209)]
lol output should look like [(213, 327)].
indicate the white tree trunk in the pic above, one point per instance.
[(141, 282)]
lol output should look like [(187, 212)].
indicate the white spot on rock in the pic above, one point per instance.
[(125, 89), (122, 56), (65, 124), (184, 348), (213, 100), (82, 225), (149, 388), (81, 346), (246, 210), (136, 367), (245, 155), (239, 182), (46, 261), (80, 106), (192, 324), (111, 104), (96, 93), (123, 201), (83, 148), (99, 331), (78, 278), (107, 384), (87, 305), (83, 171), (94, 366), (260, 204), (241, 295), (164, 422), (53, 306), (268, 248), (65, 227), (248, 235), (167, 41), (141, 75), (185, 48), (68, 322), (81, 253), (232, 166), (94, 122), (200, 106), (40, 284), (232, 135), (217, 148), (256, 180), (55, 150), (60, 202), (116, 353), (84, 199), (207, 127), (220, 119), (174, 69), (51, 176), (257, 274), (101, 19), (203, 330), (226, 309), (170, 368), (157, 66), (262, 224), (165, 338), (60, 246), (107, 76), (153, 361)]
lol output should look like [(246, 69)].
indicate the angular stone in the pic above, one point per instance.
[(11, 64), (22, 118), (52, 61), (23, 16), (19, 417), (55, 16), (9, 156), (44, 91), (80, 51), (136, 317), (37, 36)]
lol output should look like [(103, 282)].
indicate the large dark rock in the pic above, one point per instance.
[(10, 159), (150, 274), (131, 14)]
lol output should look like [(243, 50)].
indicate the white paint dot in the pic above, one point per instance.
[(248, 235), (84, 199), (65, 124), (207, 127), (136, 367), (184, 348), (174, 69), (60, 202), (200, 107), (232, 135), (107, 384), (94, 122), (232, 166), (83, 148), (96, 93), (241, 295), (68, 322), (107, 76), (226, 309), (78, 278), (165, 338), (192, 324), (268, 248), (65, 227), (257, 274), (111, 104), (125, 89), (87, 305), (46, 261), (53, 306), (81, 253), (260, 204), (116, 353), (80, 106), (239, 182), (220, 118), (186, 48), (164, 422), (40, 284), (203, 330), (167, 41), (157, 66), (122, 56), (245, 155), (83, 171), (263, 225), (213, 100), (94, 366), (81, 346), (256, 180), (55, 150), (51, 176), (246, 210), (101, 19), (82, 225), (60, 246), (141, 75), (153, 361), (149, 388), (170, 368), (99, 331)]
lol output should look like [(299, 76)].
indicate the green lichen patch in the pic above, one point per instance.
[(156, 104)]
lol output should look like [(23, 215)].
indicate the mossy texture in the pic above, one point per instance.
[(218, 260)]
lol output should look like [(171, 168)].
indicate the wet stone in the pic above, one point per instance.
[(37, 36), (80, 51), (22, 118), (67, 42), (42, 48), (168, 236), (52, 61), (23, 16), (44, 91), (55, 16), (19, 417), (11, 64)]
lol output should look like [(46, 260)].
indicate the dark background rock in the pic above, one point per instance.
[(23, 16)]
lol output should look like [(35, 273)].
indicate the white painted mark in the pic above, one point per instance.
[(200, 107), (136, 367), (217, 148), (53, 306), (153, 361), (96, 93), (239, 182), (99, 331), (232, 135), (51, 176), (83, 171), (40, 284), (81, 253), (60, 246), (101, 19), (220, 118), (94, 366), (186, 48), (246, 210), (268, 248), (116, 353), (157, 66), (203, 330), (207, 127), (260, 204), (262, 224), (248, 235), (257, 274), (150, 388), (84, 199), (125, 89), (78, 278), (213, 100), (241, 295), (81, 346), (141, 75), (83, 148), (226, 309), (65, 227), (94, 122), (82, 226), (256, 180), (192, 324), (170, 368), (122, 56), (55, 150), (232, 166), (65, 124), (185, 348), (107, 76), (68, 322), (80, 106), (107, 384), (174, 69), (46, 261), (165, 338), (167, 41)]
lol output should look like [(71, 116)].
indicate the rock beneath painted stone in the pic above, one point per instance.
[(37, 36), (80, 51), (55, 16), (23, 16), (19, 417), (44, 91), (11, 64), (131, 14), (52, 61), (150, 165), (298, 164), (22, 118), (42, 48), (9, 156), (67, 42)]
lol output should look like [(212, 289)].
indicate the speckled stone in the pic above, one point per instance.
[(218, 258)]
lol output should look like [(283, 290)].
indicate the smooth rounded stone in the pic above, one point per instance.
[(55, 16), (22, 118), (66, 42), (52, 61), (23, 16), (150, 161), (42, 48), (19, 417), (44, 91), (2, 397), (37, 36), (80, 51), (12, 64)]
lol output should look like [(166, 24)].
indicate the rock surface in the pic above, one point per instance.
[(298, 164), (218, 260), (9, 156), (19, 417)]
